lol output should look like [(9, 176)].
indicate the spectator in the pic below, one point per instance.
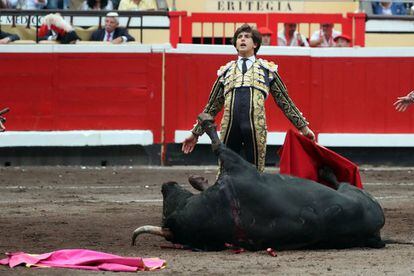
[(324, 37), (266, 35), (3, 4), (404, 102), (28, 4), (97, 5), (7, 38), (137, 5), (342, 41), (115, 3), (112, 31), (291, 37), (389, 8), (55, 28), (57, 4)]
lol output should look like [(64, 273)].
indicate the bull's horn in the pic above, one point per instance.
[(149, 229)]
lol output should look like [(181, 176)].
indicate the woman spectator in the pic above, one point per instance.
[(137, 5), (88, 5)]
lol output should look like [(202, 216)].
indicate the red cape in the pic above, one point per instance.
[(301, 157)]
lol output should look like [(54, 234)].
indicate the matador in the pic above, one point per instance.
[(241, 88)]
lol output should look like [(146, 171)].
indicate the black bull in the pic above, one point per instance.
[(259, 210)]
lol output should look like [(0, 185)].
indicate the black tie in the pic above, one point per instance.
[(244, 65)]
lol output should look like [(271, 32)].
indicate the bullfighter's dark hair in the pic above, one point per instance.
[(91, 4), (257, 37)]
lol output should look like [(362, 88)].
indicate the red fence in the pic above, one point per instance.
[(181, 24), (336, 94), (123, 91), (105, 91)]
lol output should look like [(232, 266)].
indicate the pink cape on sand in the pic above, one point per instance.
[(83, 259)]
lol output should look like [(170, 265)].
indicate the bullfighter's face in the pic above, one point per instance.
[(245, 45), (111, 23)]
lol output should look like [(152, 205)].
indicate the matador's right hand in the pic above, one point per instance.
[(307, 132), (189, 143)]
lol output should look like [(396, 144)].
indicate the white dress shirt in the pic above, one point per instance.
[(325, 43), (249, 62), (282, 41)]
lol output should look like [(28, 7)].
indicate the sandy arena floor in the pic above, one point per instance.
[(51, 208)]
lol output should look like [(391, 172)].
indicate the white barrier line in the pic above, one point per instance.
[(387, 184), (50, 187), (84, 201), (149, 200), (392, 197)]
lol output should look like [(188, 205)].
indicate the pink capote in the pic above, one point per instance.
[(83, 259), (302, 157)]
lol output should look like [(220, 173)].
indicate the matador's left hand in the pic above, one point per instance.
[(307, 132)]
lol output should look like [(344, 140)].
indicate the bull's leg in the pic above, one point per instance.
[(208, 125), (230, 161), (200, 183), (327, 174)]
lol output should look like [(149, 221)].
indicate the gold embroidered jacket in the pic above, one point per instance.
[(263, 79)]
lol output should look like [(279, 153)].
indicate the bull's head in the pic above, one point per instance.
[(174, 198)]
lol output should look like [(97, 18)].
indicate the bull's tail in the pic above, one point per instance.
[(149, 229)]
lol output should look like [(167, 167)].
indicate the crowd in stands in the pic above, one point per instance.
[(326, 36), (55, 28), (391, 8), (124, 5)]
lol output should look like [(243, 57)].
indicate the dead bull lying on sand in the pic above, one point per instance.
[(259, 210)]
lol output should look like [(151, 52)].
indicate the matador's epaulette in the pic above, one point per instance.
[(224, 68), (269, 65)]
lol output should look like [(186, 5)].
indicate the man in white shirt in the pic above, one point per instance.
[(290, 37), (241, 88), (324, 37)]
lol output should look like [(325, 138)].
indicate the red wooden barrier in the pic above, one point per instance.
[(336, 94), (122, 91), (69, 91)]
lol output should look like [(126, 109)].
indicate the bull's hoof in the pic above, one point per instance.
[(205, 117), (198, 182)]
